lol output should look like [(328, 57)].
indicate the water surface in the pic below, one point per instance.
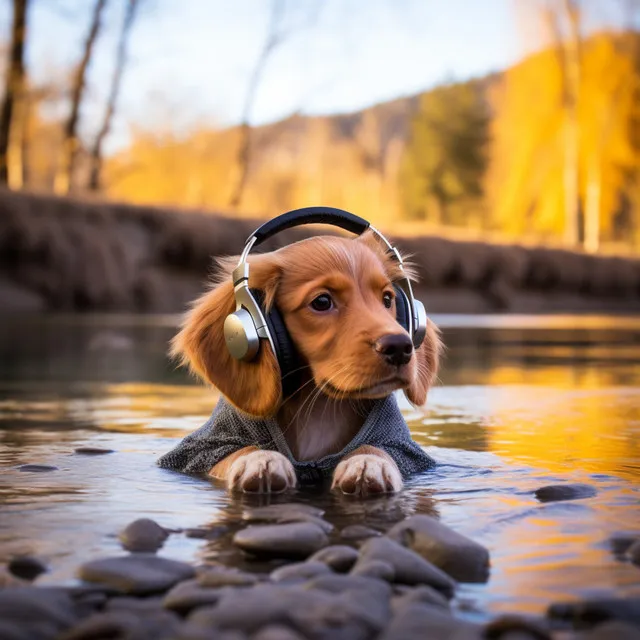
[(521, 403)]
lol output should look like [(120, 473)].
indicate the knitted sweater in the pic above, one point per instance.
[(228, 430)]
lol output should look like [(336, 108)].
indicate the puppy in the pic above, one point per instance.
[(341, 421)]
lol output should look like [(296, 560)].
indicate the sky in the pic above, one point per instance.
[(191, 60)]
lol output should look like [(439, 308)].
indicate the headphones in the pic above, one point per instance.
[(251, 323)]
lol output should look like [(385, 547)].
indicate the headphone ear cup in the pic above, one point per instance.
[(403, 311)]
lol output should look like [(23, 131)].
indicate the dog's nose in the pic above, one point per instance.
[(395, 348)]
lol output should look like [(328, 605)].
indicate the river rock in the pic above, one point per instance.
[(206, 533), (34, 613), (143, 535), (27, 567), (622, 542), (374, 569), (355, 532), (614, 631), (418, 621), (373, 590), (300, 571), (219, 576), (37, 468), (137, 574), (190, 594), (410, 568), (276, 512), (340, 558), (277, 632), (135, 605), (297, 540), (557, 492), (514, 627), (462, 558), (92, 451), (327, 527), (587, 614), (633, 553), (422, 594)]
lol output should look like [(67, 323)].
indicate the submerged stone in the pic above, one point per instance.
[(586, 614), (92, 451), (557, 492), (275, 512), (27, 567), (296, 540), (37, 468)]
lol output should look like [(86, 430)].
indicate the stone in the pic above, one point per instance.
[(35, 613), (358, 532), (189, 595), (327, 527), (37, 468), (92, 451), (410, 568), (462, 558), (417, 621), (300, 571), (556, 492), (614, 631), (206, 533), (340, 558), (374, 569), (125, 625), (276, 512), (370, 591), (134, 605), (633, 553), (296, 540), (514, 627), (137, 574), (589, 613), (422, 594), (622, 542), (277, 632), (218, 576), (143, 534), (27, 567)]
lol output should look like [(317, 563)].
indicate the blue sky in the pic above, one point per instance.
[(191, 59)]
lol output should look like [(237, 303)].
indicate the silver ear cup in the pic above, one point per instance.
[(419, 323), (241, 335)]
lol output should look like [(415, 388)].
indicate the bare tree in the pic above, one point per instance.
[(95, 172), (70, 141), (12, 112)]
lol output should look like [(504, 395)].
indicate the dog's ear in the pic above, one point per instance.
[(253, 387), (428, 361)]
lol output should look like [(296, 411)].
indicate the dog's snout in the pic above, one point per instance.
[(395, 348)]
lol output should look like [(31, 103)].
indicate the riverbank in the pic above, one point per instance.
[(71, 255)]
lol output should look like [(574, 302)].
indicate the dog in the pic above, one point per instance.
[(339, 420)]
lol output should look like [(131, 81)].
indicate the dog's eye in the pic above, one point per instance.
[(322, 303), (387, 299)]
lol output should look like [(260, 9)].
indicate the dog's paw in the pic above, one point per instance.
[(261, 472), (367, 474)]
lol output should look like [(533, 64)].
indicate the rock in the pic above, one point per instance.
[(340, 558), (276, 512), (143, 535), (462, 558), (27, 567), (633, 553), (216, 576), (34, 613), (135, 605), (327, 527), (410, 568), (375, 592), (277, 632), (556, 492), (297, 540), (358, 532), (417, 621), (587, 614), (92, 451), (374, 569), (421, 594), (189, 595), (137, 574), (622, 542), (37, 468), (300, 571), (513, 627), (125, 625), (614, 631), (206, 533)]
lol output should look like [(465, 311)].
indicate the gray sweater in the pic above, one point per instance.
[(228, 430)]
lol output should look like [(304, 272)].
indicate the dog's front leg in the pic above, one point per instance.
[(253, 470), (367, 471)]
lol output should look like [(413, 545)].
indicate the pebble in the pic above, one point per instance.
[(143, 535), (92, 451), (463, 559), (277, 632), (614, 631), (189, 595), (557, 492), (296, 540), (633, 553), (218, 576), (513, 627), (135, 605), (374, 569), (621, 542), (340, 558), (275, 512), (300, 571), (410, 568), (37, 468), (27, 567), (420, 594), (375, 592), (137, 574), (586, 614), (358, 532), (206, 533)]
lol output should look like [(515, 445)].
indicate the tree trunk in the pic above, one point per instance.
[(592, 205), (70, 142), (95, 173), (12, 111)]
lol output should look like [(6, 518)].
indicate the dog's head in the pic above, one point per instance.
[(338, 303)]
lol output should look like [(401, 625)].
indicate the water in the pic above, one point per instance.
[(522, 403)]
